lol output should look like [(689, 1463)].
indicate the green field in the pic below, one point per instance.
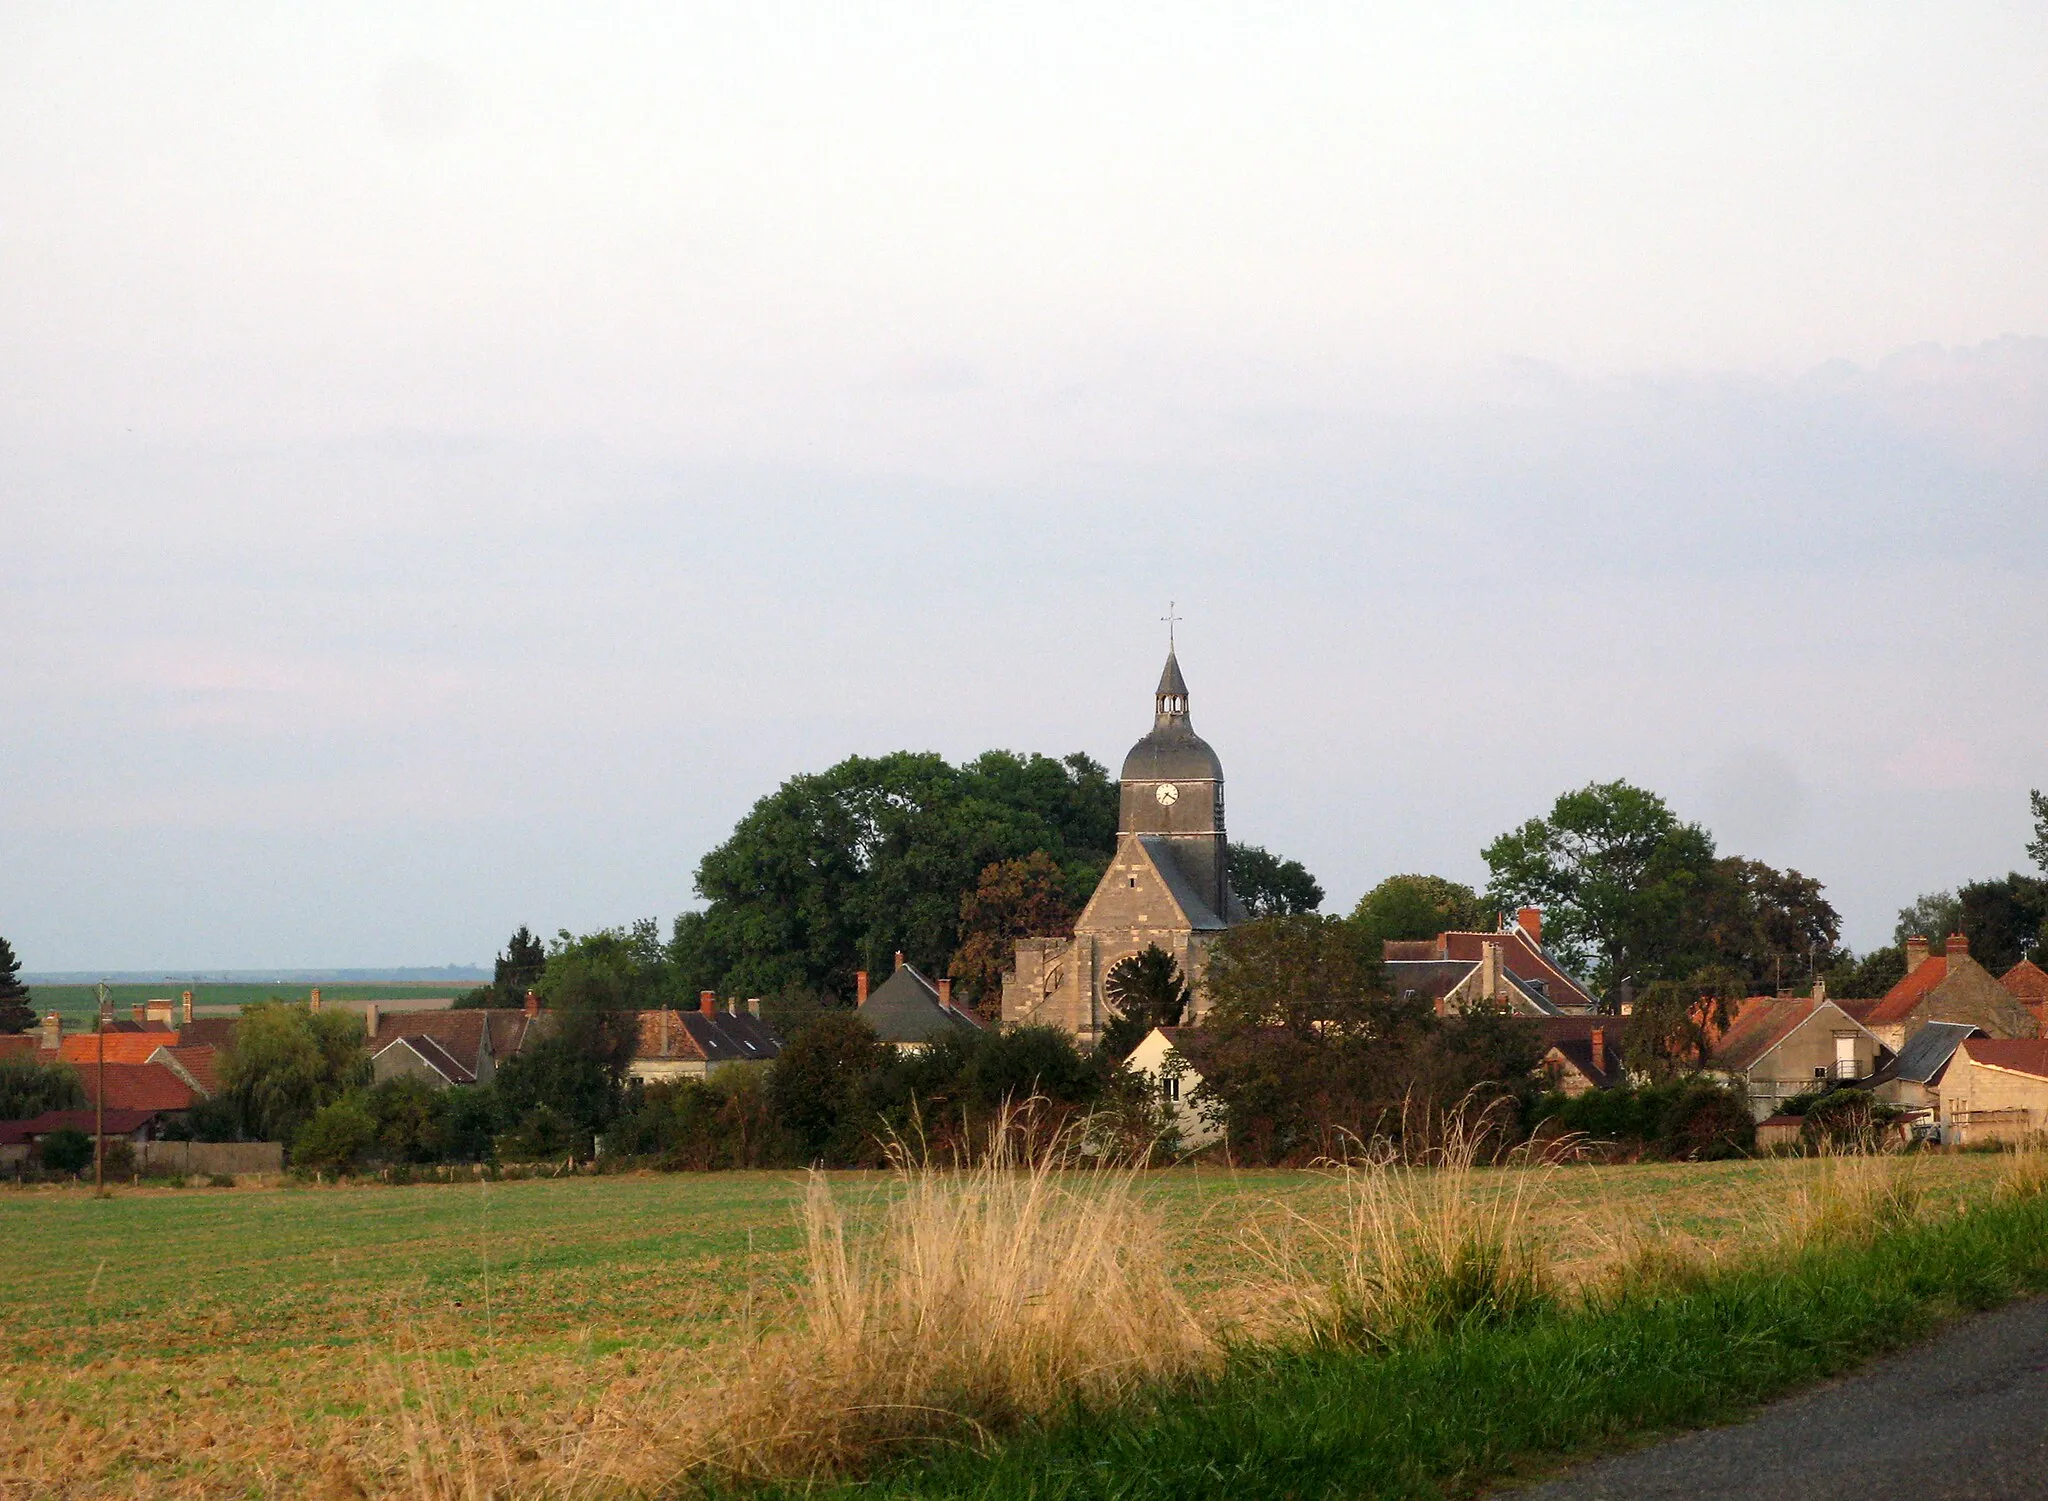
[(270, 1319), (75, 1003)]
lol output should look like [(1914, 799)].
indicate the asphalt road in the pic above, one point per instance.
[(1964, 1416)]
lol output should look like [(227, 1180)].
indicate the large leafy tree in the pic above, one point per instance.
[(817, 1089), (17, 1012), (2037, 847), (1617, 874), (1028, 898), (28, 1088), (288, 1062), (1270, 886), (615, 969), (1146, 990), (1314, 976), (1414, 907), (1769, 926), (2005, 920), (834, 872), (1933, 916)]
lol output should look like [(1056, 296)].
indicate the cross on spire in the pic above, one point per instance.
[(1169, 618)]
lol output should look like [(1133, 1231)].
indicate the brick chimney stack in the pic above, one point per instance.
[(53, 1032), (1600, 1049), (313, 1000), (532, 1007), (370, 1019), (945, 995), (707, 1002), (754, 1007), (1916, 953), (860, 987), (899, 958), (187, 999), (1958, 948), (139, 1012), (1530, 921), (1491, 984)]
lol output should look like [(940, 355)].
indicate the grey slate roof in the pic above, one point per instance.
[(1172, 752), (905, 1008), (1928, 1050), (1171, 683), (1192, 906), (430, 1051), (1430, 979)]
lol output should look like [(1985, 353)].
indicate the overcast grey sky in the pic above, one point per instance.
[(454, 460)]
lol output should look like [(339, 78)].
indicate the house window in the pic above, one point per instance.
[(1134, 883), (1820, 1071), (1169, 1086)]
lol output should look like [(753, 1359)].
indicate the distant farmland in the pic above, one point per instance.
[(76, 1005)]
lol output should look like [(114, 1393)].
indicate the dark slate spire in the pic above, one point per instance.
[(1171, 699)]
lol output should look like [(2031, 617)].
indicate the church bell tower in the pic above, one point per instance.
[(1172, 789)]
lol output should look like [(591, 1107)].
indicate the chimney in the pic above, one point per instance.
[(732, 1007), (1820, 989), (370, 1019), (1490, 982), (313, 1000), (899, 958), (945, 995), (138, 1013), (53, 1032), (1530, 921), (754, 1007), (188, 1008), (532, 1003), (1916, 953), (1600, 1049), (707, 1002), (1958, 948), (860, 987)]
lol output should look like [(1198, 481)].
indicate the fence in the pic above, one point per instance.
[(189, 1157)]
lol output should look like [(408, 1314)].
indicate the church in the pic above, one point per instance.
[(1167, 885)]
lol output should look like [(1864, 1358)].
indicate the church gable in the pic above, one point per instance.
[(1142, 890)]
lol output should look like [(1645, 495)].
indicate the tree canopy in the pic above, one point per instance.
[(2006, 920), (1933, 915), (834, 872), (1414, 907), (1028, 898), (1270, 886), (288, 1062), (2037, 847), (17, 1012)]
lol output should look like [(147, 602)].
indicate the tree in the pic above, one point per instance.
[(28, 1088), (1674, 1024), (1933, 916), (2005, 920), (817, 1083), (1415, 907), (518, 970), (836, 871), (614, 969), (1270, 886), (1313, 975), (1868, 978), (17, 1011), (288, 1062), (1013, 899), (1770, 926), (1146, 990), (335, 1137), (1616, 873), (2037, 847), (576, 1072), (1024, 1063), (66, 1151)]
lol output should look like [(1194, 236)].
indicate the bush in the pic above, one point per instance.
[(336, 1138), (544, 1135), (66, 1151), (28, 1088), (1708, 1123), (119, 1160), (221, 1180), (1853, 1120)]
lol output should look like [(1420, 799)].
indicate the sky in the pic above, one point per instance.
[(453, 460)]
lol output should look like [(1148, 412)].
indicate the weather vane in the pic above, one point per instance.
[(1169, 617)]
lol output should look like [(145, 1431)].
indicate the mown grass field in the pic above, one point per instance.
[(234, 1342), (77, 1004)]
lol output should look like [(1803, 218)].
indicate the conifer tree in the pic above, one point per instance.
[(17, 1014)]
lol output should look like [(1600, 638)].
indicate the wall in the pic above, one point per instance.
[(1968, 1088), (212, 1156)]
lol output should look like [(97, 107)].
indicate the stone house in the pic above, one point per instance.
[(703, 1043), (1457, 971), (1781, 1046), (1582, 1053), (1995, 1089), (909, 1011), (1950, 987), (1168, 884), (1912, 1080), (475, 1039)]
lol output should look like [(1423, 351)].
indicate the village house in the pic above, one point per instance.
[(1995, 1089), (2027, 983), (1458, 971), (701, 1044), (909, 1011), (1948, 987), (1170, 1060), (1781, 1046), (447, 1047), (1912, 1080), (1582, 1053)]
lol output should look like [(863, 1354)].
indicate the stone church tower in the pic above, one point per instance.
[(1168, 884)]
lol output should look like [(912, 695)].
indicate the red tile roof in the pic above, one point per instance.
[(1761, 1023), (138, 1086), (2020, 1055), (1900, 1001), (19, 1044), (122, 1047), (2028, 981), (201, 1063)]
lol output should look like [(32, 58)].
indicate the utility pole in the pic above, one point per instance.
[(99, 1100)]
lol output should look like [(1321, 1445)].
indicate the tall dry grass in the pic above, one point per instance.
[(963, 1300), (1839, 1196), (1420, 1243)]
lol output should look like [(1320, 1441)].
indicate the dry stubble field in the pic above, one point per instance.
[(264, 1342)]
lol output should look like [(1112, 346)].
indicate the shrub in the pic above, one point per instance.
[(221, 1180), (1848, 1120), (66, 1151), (336, 1138), (1708, 1123), (28, 1088), (119, 1159)]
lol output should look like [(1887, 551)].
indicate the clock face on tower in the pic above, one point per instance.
[(1167, 794)]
